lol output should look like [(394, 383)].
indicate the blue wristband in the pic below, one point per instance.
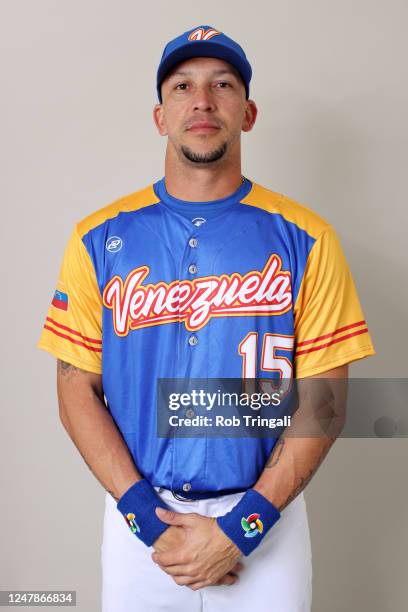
[(249, 521), (138, 505)]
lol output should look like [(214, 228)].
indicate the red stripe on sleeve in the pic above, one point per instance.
[(331, 334), (57, 333), (73, 331), (334, 341)]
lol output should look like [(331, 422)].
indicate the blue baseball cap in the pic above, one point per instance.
[(203, 41)]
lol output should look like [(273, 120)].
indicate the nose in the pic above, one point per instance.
[(203, 99)]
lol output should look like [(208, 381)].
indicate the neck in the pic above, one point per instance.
[(200, 184)]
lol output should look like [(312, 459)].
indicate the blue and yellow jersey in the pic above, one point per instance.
[(252, 285)]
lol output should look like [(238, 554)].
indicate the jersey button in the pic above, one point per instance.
[(186, 486), (193, 242), (193, 340), (190, 413), (192, 268)]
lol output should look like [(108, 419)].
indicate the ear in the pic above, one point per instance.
[(251, 113), (158, 118)]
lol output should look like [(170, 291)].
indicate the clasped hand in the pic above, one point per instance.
[(194, 551)]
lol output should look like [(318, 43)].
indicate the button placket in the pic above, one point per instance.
[(192, 268), (192, 341)]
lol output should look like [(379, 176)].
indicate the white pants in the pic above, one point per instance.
[(276, 577)]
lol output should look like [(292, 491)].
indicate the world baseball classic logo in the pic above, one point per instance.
[(252, 525)]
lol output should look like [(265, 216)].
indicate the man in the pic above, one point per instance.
[(202, 274)]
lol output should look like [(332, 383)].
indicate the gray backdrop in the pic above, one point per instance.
[(330, 81)]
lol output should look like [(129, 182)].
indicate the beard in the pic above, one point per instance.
[(204, 158)]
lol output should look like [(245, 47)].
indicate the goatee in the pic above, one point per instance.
[(204, 158)]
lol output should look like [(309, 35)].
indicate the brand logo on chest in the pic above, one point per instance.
[(194, 302)]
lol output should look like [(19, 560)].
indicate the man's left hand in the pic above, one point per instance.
[(205, 557)]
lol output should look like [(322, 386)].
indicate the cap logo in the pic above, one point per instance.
[(201, 34)]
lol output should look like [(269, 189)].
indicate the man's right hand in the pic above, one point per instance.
[(175, 536)]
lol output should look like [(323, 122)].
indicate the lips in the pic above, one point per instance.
[(202, 126)]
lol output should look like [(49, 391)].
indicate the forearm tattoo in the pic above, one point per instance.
[(276, 454), (304, 480), (317, 413)]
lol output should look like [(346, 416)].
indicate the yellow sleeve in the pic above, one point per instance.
[(72, 330), (330, 329)]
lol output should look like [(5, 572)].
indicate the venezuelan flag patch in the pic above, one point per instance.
[(60, 300)]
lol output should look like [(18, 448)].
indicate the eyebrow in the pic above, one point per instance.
[(214, 73)]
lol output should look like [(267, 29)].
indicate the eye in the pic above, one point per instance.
[(224, 83), (182, 85)]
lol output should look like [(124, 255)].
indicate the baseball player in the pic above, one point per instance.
[(201, 274)]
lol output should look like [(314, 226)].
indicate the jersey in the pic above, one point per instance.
[(246, 286)]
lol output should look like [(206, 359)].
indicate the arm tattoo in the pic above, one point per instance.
[(276, 454), (305, 480), (69, 372), (67, 369), (318, 410)]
